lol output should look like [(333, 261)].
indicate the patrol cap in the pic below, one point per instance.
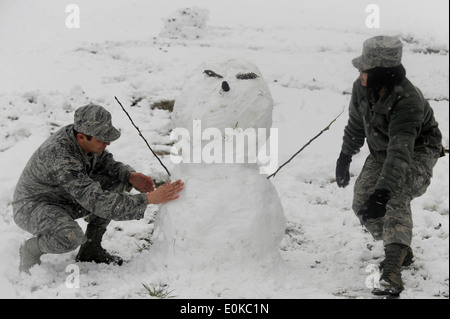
[(379, 51), (95, 120)]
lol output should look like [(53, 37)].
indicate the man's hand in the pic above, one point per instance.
[(165, 193), (375, 206), (141, 182)]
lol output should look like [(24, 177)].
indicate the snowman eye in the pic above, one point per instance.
[(247, 76), (212, 74)]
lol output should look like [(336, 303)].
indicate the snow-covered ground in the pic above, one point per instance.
[(303, 49)]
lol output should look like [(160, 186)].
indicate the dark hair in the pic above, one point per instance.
[(75, 132), (378, 78)]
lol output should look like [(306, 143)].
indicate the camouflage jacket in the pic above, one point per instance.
[(59, 173), (400, 123)]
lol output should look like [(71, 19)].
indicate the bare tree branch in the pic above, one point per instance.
[(137, 128), (304, 146)]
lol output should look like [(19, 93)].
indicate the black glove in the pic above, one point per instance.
[(375, 206), (342, 169)]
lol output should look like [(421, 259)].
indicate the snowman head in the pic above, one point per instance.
[(225, 94)]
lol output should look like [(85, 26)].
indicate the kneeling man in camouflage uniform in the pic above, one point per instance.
[(71, 176), (404, 140)]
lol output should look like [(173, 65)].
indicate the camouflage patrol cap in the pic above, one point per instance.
[(379, 51), (95, 120)]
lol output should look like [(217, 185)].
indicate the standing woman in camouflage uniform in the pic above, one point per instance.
[(404, 140), (70, 176)]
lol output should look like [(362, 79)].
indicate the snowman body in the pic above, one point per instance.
[(228, 212)]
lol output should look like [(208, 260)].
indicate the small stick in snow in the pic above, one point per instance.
[(304, 146), (140, 134)]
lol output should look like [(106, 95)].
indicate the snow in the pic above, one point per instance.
[(303, 50)]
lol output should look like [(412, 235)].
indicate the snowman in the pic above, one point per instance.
[(229, 214)]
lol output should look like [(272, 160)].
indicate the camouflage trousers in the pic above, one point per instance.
[(396, 226), (54, 224)]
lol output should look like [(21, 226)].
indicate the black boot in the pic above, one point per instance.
[(92, 250), (409, 259), (391, 282), (30, 255)]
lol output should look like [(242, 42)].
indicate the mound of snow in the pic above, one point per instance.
[(188, 23)]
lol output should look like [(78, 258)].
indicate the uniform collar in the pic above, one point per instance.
[(77, 146)]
